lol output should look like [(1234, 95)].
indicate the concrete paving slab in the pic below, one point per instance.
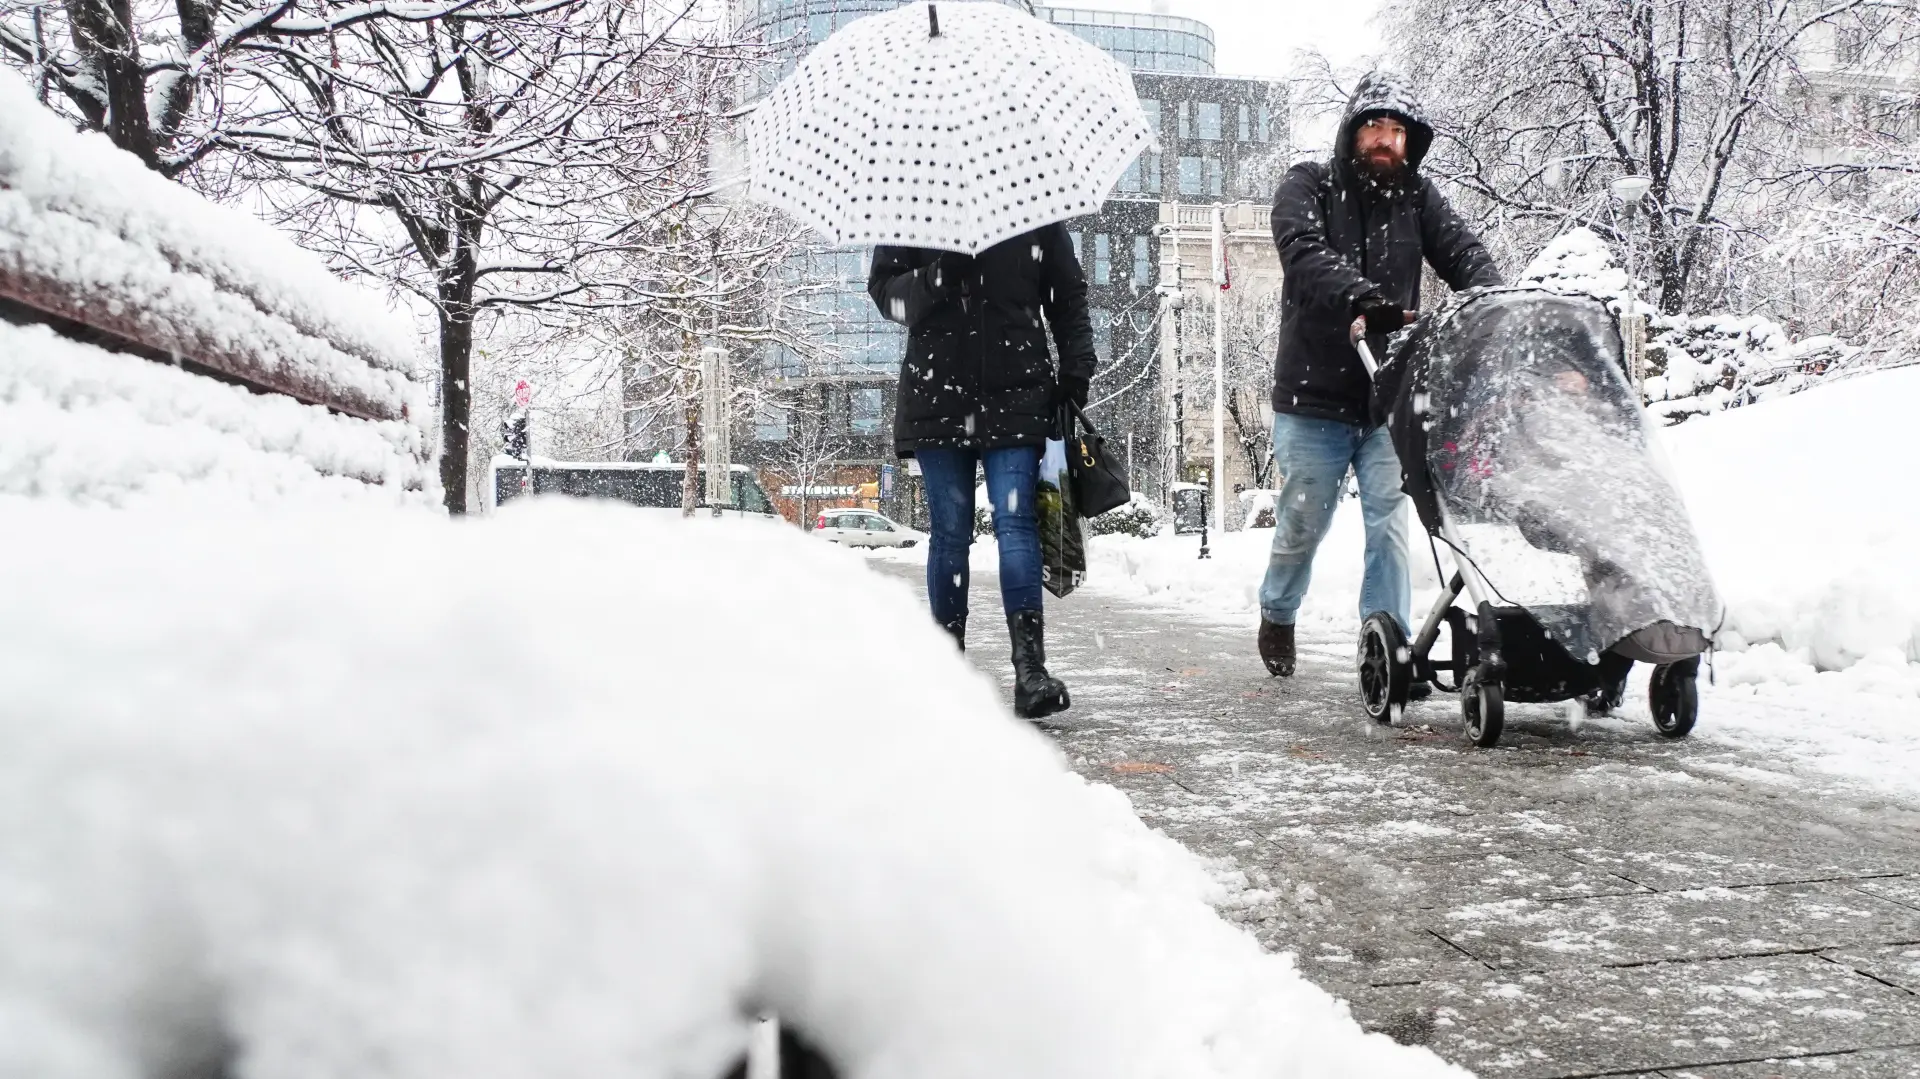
[(1897, 964), (1902, 890), (1662, 926), (1865, 1064), (1380, 953), (1782, 863), (1621, 1021), (1538, 875)]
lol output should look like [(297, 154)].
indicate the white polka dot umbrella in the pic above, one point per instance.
[(950, 125)]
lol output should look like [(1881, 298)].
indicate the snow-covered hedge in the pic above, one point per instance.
[(88, 234), (1139, 517), (511, 810), (1696, 364)]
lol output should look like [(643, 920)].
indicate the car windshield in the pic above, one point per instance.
[(748, 496)]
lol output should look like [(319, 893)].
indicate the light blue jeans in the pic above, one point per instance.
[(1313, 456)]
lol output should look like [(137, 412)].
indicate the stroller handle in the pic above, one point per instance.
[(1357, 333)]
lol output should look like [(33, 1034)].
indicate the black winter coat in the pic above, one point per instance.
[(977, 374), (1343, 241)]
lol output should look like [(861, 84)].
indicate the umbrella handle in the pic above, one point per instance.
[(933, 22)]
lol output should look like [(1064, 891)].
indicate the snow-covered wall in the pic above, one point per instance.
[(271, 792), (84, 425), (90, 236)]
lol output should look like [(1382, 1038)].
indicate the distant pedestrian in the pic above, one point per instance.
[(1352, 233), (977, 387)]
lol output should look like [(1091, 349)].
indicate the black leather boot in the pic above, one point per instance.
[(958, 630), (1035, 692), (1276, 648)]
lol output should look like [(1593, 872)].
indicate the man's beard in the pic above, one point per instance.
[(1384, 171)]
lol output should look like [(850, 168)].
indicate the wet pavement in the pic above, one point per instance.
[(1587, 899)]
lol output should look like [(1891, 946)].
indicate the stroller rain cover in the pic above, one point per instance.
[(1512, 413)]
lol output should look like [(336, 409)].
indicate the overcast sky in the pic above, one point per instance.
[(1259, 37)]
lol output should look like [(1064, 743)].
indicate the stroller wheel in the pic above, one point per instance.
[(1674, 695), (1386, 667), (1485, 708)]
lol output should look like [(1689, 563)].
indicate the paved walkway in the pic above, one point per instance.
[(1591, 902)]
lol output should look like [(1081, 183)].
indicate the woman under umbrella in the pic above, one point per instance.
[(977, 387)]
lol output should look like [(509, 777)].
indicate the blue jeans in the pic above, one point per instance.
[(1011, 476), (1313, 456)]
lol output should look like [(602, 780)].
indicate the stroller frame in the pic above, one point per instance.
[(1499, 653)]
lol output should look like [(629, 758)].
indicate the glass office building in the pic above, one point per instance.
[(1212, 132), (1143, 42)]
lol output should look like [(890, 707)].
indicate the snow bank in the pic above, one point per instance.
[(1168, 570), (1804, 506), (512, 810), (92, 426), (88, 233)]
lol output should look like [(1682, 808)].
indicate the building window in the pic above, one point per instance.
[(1264, 133), (1102, 258), (1192, 182), (1849, 45), (1186, 118), (1152, 108), (1142, 262), (1209, 120), (1143, 176), (864, 407), (1102, 333), (1246, 122), (1079, 252), (770, 424)]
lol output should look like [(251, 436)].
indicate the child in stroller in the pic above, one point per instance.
[(1526, 454)]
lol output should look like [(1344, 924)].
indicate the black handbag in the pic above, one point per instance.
[(1099, 481)]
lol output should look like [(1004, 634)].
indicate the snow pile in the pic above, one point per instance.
[(1696, 364), (97, 427), (1802, 505), (88, 233), (511, 810)]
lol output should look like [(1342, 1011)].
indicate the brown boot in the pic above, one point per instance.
[(1276, 648)]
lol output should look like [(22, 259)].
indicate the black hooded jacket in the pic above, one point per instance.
[(1344, 240), (977, 374)]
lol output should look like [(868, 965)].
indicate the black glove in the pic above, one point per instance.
[(1383, 316), (1071, 390), (947, 273)]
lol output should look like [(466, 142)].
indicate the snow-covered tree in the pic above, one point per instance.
[(1695, 364), (482, 155), (1541, 103)]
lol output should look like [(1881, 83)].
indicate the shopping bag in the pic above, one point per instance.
[(1063, 537)]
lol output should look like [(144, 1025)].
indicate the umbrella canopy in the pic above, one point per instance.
[(945, 125)]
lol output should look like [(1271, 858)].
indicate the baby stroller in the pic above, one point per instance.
[(1527, 455)]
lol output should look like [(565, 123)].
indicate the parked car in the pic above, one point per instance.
[(863, 528)]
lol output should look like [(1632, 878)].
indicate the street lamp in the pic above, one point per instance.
[(1631, 191)]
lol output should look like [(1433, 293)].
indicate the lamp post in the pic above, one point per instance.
[(1631, 191), (1219, 366), (1171, 302)]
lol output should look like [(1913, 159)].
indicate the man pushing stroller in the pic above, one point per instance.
[(1352, 234)]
